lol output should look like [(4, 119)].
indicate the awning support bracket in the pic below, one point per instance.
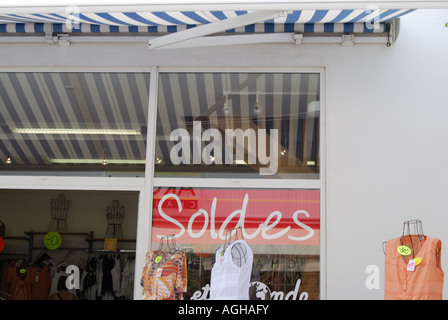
[(214, 27), (62, 39)]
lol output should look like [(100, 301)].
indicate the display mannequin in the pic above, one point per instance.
[(239, 249), (414, 238), (164, 275), (412, 265), (230, 276)]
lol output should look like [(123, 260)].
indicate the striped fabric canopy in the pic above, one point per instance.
[(353, 20)]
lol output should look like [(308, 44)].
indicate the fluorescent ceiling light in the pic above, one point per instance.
[(97, 161), (75, 131)]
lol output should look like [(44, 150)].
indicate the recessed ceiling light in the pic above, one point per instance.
[(75, 131), (159, 160), (97, 161)]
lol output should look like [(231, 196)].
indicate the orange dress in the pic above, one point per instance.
[(425, 282), (164, 277)]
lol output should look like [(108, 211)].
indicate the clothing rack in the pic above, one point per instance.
[(112, 251), (32, 234)]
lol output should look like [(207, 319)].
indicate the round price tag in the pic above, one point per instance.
[(158, 258), (52, 240), (404, 250), (2, 244)]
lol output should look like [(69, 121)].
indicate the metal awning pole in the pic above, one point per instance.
[(59, 7)]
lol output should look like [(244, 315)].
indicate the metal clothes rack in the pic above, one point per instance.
[(31, 235), (92, 239), (89, 237)]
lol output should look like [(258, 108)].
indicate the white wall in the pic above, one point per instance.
[(386, 111), (387, 127)]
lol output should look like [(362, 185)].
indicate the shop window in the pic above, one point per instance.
[(238, 125), (80, 123), (281, 227), (52, 235)]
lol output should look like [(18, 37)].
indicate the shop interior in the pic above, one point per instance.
[(84, 219)]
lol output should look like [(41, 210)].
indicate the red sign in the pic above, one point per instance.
[(203, 216)]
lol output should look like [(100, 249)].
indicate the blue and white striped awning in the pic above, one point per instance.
[(304, 21)]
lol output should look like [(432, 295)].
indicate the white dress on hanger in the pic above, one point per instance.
[(230, 276)]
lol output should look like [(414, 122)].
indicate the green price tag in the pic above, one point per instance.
[(52, 240), (404, 250), (158, 258)]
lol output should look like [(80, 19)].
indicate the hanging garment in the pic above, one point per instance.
[(230, 276), (127, 279), (17, 282), (40, 281), (107, 280), (116, 273), (421, 282), (88, 281), (63, 295), (164, 277)]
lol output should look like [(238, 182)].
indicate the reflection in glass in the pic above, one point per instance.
[(282, 228), (238, 125), (84, 123)]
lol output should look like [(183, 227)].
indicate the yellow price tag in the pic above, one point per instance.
[(110, 244), (417, 261), (158, 258), (404, 250)]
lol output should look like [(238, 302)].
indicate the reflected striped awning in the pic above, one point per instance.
[(326, 21)]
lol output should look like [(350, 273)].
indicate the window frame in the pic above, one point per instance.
[(145, 185), (318, 183)]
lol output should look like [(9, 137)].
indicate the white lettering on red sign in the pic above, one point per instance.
[(268, 230)]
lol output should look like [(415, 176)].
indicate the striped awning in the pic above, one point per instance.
[(325, 21)]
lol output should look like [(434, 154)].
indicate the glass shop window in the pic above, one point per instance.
[(75, 123), (238, 125), (281, 228)]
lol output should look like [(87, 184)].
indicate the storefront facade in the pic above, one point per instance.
[(299, 146)]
